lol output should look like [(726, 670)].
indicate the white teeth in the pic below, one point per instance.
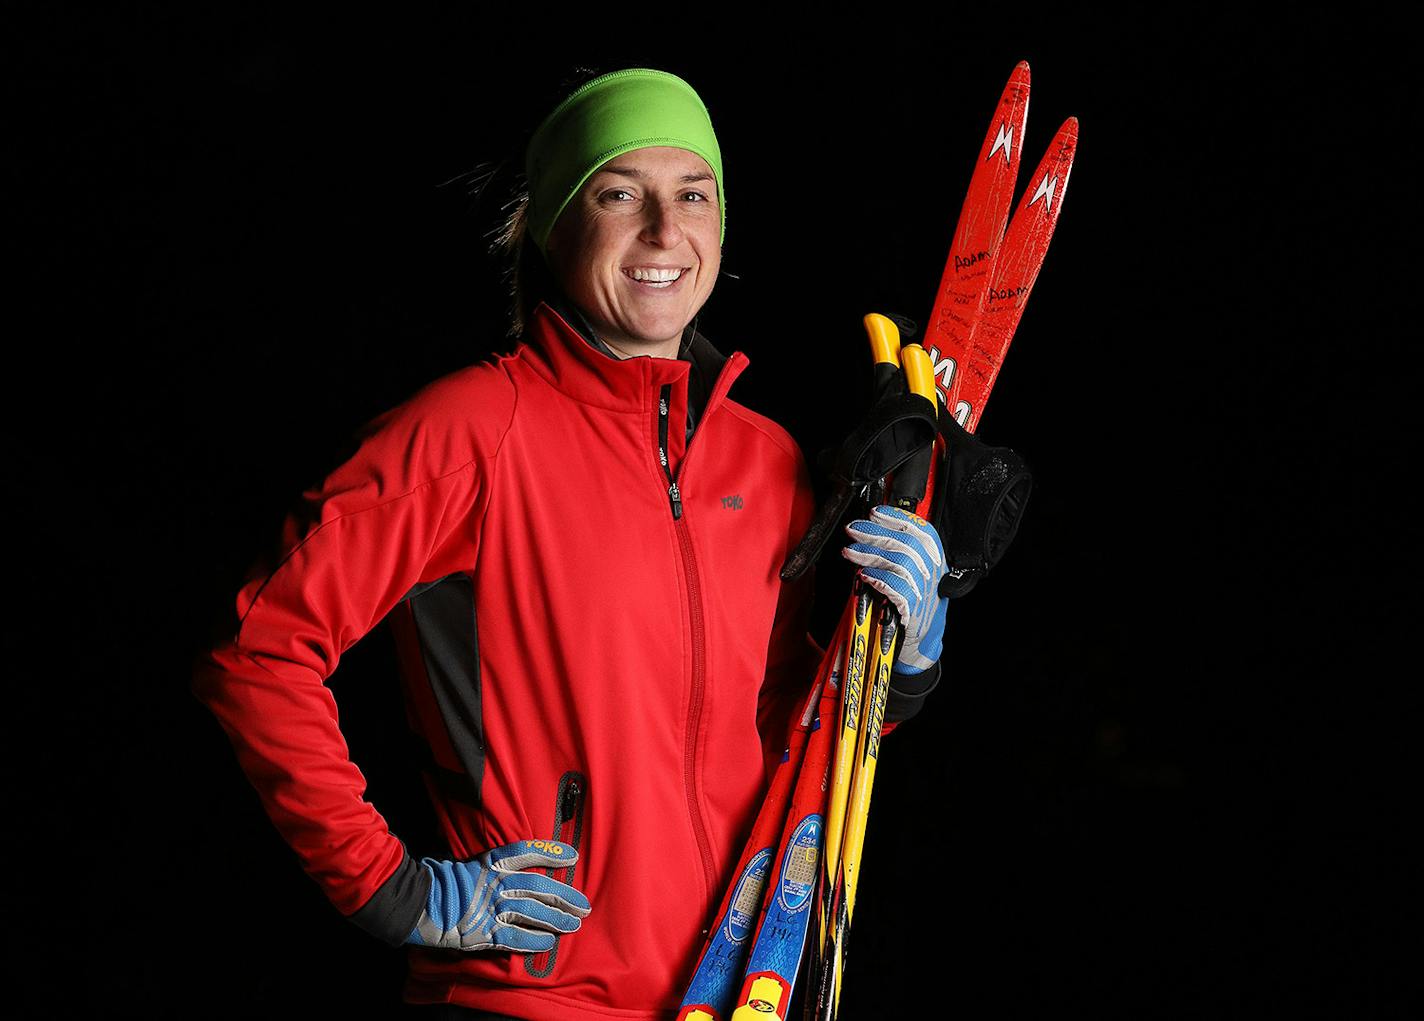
[(654, 276)]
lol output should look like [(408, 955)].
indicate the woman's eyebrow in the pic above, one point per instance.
[(634, 172)]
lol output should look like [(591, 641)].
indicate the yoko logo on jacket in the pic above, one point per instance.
[(733, 502)]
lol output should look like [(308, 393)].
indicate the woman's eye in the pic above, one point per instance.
[(624, 195)]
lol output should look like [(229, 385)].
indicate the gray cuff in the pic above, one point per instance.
[(391, 913)]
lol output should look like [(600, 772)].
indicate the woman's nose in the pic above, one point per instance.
[(661, 226)]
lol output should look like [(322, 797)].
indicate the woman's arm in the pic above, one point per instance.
[(402, 510)]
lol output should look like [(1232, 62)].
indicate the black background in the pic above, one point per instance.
[(1154, 781)]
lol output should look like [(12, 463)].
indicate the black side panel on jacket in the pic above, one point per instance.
[(444, 617)]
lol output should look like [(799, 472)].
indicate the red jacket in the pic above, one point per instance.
[(590, 651)]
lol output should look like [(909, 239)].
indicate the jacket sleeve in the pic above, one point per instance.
[(402, 510)]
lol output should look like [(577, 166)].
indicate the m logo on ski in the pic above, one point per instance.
[(1046, 189), (1003, 142)]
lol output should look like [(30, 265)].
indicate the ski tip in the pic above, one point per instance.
[(1022, 65)]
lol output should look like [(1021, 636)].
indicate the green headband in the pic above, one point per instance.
[(612, 114)]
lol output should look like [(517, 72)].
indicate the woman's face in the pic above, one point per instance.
[(638, 248)]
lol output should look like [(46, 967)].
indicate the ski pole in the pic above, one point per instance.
[(884, 339), (909, 494)]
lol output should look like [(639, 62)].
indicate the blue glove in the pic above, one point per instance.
[(487, 903), (901, 557)]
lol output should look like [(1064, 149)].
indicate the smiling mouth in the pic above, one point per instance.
[(656, 277)]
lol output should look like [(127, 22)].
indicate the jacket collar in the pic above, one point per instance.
[(569, 361), (697, 350)]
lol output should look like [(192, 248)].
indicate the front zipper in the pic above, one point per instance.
[(699, 651), (568, 829)]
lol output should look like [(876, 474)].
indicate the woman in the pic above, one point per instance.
[(577, 546)]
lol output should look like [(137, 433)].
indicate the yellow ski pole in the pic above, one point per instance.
[(882, 649)]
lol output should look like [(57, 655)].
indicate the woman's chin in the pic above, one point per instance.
[(658, 329)]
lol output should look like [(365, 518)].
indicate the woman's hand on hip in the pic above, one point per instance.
[(487, 903)]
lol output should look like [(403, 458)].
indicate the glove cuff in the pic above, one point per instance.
[(908, 693), (394, 909)]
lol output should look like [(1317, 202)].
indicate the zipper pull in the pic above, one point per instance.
[(571, 795), (674, 494)]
